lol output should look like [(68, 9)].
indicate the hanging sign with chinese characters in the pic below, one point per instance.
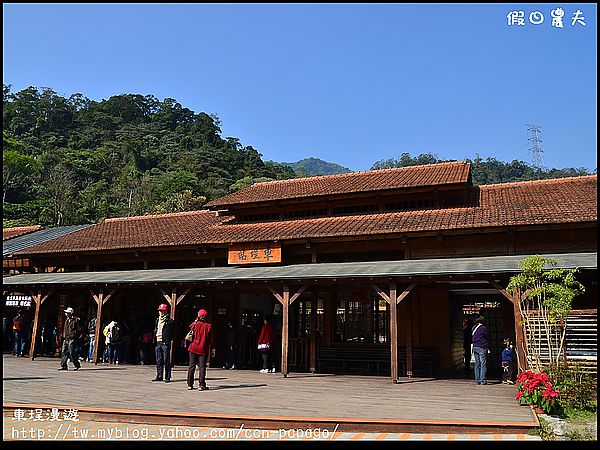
[(18, 300), (262, 252)]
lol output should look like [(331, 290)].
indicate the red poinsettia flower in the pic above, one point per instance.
[(518, 395)]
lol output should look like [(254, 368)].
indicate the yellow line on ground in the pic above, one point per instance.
[(381, 436), (404, 436), (520, 437), (474, 437), (357, 436), (427, 437), (337, 434), (496, 437), (451, 437)]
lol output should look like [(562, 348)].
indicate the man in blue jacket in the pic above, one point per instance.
[(480, 350)]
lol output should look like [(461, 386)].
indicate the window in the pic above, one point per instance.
[(258, 217), (406, 205), (305, 213), (361, 318), (356, 209)]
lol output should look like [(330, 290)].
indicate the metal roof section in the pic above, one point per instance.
[(37, 237), (371, 269)]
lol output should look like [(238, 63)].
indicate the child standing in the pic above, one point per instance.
[(507, 362)]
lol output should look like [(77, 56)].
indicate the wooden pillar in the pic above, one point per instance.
[(285, 301), (100, 300), (98, 332), (285, 330), (520, 339), (393, 300), (394, 332), (173, 301), (39, 301), (313, 332), (409, 340)]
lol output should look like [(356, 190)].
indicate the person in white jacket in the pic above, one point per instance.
[(112, 333)]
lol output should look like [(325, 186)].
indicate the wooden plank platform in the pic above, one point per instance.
[(353, 403)]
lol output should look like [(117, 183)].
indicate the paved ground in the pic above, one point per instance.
[(255, 394), (31, 429)]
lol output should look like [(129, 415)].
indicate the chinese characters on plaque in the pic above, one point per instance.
[(261, 252)]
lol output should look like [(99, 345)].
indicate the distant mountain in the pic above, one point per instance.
[(316, 166)]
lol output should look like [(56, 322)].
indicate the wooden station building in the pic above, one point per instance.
[(371, 272)]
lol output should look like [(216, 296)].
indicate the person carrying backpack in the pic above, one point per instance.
[(113, 337), (19, 334)]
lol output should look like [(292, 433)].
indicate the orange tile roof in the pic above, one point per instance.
[(557, 201), (9, 233), (371, 180)]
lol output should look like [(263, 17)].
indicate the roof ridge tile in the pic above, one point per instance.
[(360, 172), (154, 216), (543, 181)]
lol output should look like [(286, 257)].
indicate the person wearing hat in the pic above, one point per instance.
[(72, 329), (202, 345), (164, 331)]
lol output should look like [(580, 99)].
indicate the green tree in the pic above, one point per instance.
[(545, 296), (17, 168)]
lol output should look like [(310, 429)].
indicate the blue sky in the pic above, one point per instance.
[(348, 83)]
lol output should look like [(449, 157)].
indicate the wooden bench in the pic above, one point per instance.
[(425, 361), (376, 360)]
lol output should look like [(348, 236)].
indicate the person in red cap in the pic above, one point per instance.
[(164, 331), (201, 346)]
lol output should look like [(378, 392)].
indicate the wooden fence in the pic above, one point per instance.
[(580, 347)]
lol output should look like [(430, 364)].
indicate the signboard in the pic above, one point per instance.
[(19, 300), (254, 253)]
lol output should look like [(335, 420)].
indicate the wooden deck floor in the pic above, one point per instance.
[(250, 394)]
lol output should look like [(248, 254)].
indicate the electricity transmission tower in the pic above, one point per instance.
[(535, 146)]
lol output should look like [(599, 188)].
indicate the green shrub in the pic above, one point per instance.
[(578, 390)]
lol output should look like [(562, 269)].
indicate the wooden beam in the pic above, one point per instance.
[(381, 293), (298, 294), (45, 297), (276, 294), (503, 291), (284, 330), (406, 292), (393, 332), (106, 298), (182, 296), (165, 295), (94, 296)]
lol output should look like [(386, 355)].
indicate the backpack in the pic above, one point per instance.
[(115, 334), (92, 326), (18, 323)]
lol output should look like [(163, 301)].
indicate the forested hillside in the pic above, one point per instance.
[(75, 160), (315, 166), (488, 171)]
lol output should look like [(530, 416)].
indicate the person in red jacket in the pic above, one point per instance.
[(266, 340), (199, 348)]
